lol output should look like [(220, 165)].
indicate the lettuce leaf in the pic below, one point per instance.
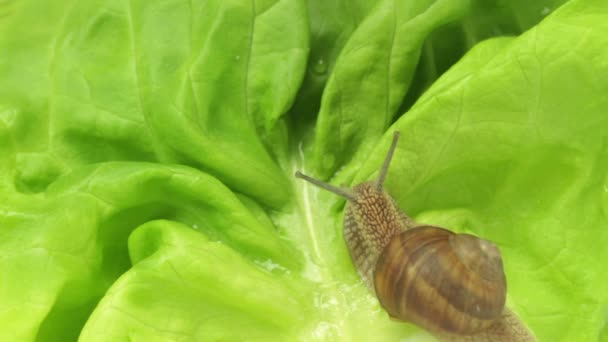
[(147, 151)]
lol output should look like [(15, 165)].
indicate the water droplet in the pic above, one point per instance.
[(270, 266), (195, 226), (237, 57), (320, 67), (325, 330), (8, 116), (545, 11)]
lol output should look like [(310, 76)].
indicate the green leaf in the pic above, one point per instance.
[(371, 76), (202, 295), (147, 152)]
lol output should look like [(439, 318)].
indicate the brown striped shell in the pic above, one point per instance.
[(442, 281)]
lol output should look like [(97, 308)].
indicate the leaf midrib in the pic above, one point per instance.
[(315, 256)]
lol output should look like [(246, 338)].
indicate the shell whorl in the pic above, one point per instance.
[(442, 281)]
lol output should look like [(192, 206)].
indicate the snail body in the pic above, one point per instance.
[(448, 283)]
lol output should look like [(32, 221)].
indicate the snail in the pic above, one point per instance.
[(453, 285)]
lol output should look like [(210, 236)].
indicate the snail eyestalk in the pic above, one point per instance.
[(346, 193), (387, 161)]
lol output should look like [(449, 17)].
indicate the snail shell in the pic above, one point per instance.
[(442, 281)]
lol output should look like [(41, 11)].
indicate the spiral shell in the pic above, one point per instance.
[(442, 281)]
